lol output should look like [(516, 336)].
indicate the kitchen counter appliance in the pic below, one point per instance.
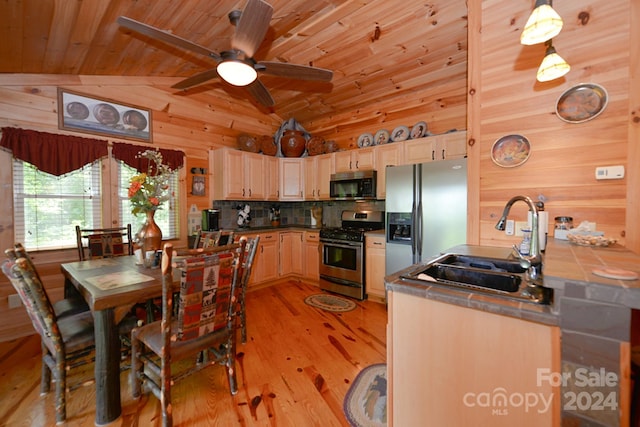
[(426, 209), (356, 185), (342, 257)]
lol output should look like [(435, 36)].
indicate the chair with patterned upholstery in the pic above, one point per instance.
[(205, 323), (103, 242), (207, 239)]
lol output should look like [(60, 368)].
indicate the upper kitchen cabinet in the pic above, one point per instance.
[(317, 174), (386, 155), (239, 175), (354, 160), (272, 174), (291, 179), (437, 147)]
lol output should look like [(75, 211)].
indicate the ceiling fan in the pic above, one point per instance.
[(237, 66)]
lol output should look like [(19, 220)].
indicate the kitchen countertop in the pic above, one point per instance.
[(263, 228), (563, 263)]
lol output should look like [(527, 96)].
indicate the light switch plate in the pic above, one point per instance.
[(510, 228)]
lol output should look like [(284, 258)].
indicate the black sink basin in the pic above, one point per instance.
[(504, 277), (490, 279), (481, 263)]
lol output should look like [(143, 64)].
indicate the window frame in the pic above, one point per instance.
[(110, 211)]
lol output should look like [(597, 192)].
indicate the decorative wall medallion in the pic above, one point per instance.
[(581, 103), (510, 151)]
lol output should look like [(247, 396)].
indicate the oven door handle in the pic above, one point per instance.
[(341, 243)]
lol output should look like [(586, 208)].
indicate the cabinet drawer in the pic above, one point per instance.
[(311, 236), (375, 242)]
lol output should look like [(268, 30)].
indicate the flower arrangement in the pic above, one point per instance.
[(148, 190)]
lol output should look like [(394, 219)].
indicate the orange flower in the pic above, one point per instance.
[(154, 201), (134, 187)]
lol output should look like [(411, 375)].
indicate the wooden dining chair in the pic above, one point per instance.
[(207, 239), (244, 273), (71, 304), (206, 322), (103, 242)]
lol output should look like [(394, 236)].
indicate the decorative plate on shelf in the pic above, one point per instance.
[(510, 151), (365, 140), (581, 103), (419, 130), (400, 133), (381, 137)]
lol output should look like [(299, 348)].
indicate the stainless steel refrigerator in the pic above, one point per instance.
[(426, 211)]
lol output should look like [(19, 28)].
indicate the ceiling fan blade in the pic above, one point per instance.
[(196, 79), (166, 37), (294, 71), (252, 27), (260, 93)]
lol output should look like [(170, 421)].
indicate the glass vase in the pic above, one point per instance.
[(150, 235)]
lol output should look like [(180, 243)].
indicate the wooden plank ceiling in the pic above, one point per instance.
[(381, 51)]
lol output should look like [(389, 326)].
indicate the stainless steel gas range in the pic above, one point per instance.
[(342, 257)]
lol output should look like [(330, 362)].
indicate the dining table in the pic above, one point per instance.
[(111, 287)]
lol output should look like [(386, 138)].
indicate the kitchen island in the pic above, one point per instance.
[(461, 357)]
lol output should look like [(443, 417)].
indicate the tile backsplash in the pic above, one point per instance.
[(291, 213)]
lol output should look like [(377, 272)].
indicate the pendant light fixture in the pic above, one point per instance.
[(543, 24), (552, 66)]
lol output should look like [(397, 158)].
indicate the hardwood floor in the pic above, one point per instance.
[(294, 370)]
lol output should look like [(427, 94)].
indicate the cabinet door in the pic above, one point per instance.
[(352, 160), (291, 179), (375, 247), (228, 169), (419, 150), (365, 159), (386, 155), (265, 263), (254, 177), (324, 169), (291, 253), (310, 177), (468, 355), (312, 256), (455, 145), (272, 172)]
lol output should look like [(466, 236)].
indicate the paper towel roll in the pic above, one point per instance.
[(543, 227)]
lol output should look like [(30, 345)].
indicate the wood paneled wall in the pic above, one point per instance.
[(507, 99)]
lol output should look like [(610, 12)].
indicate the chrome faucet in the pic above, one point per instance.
[(533, 261)]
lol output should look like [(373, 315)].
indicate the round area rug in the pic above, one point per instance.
[(365, 404), (330, 302)]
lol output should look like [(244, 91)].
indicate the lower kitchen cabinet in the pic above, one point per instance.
[(450, 365), (291, 253), (311, 267), (375, 266), (265, 263)]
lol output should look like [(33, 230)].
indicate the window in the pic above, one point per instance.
[(47, 208), (166, 217)]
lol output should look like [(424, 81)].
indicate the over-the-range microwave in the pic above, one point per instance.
[(356, 185)]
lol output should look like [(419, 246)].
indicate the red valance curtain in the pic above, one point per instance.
[(52, 153), (127, 153)]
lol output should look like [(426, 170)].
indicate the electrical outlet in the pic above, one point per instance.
[(14, 301), (509, 229)]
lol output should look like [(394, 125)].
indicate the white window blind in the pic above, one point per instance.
[(47, 208), (166, 217)]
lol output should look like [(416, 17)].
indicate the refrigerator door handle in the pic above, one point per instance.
[(414, 244), (419, 231)]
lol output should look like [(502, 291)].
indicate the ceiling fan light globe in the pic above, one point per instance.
[(543, 24), (237, 73)]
